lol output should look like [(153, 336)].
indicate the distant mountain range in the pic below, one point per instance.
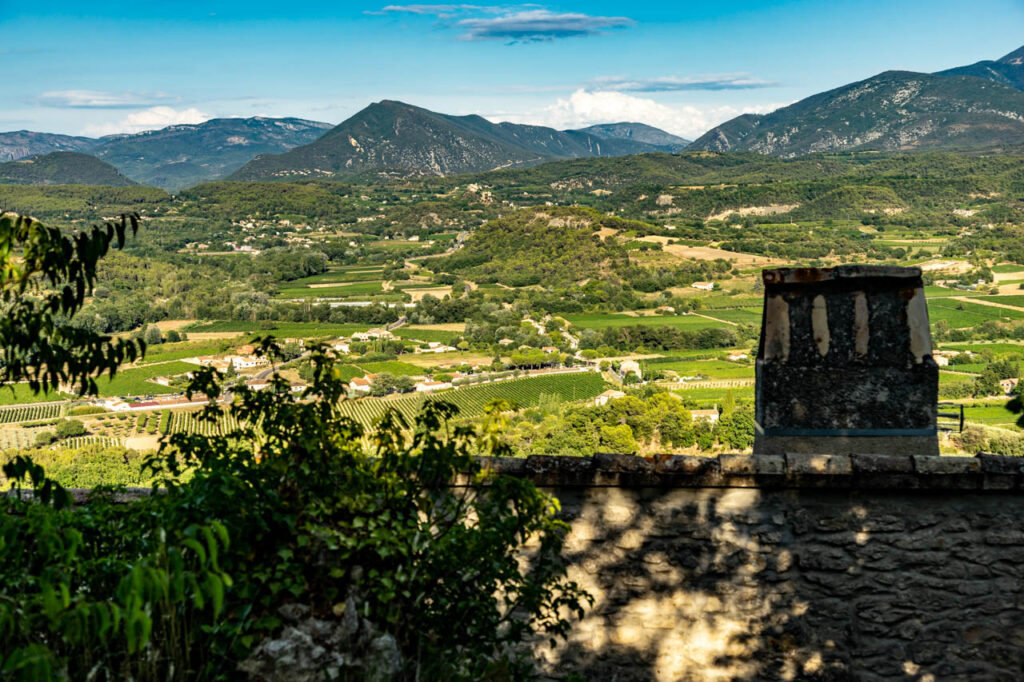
[(396, 138), (61, 168), (178, 156), (638, 132), (976, 107)]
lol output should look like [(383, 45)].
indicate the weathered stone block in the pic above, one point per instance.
[(748, 465), (946, 465), (799, 463), (875, 464)]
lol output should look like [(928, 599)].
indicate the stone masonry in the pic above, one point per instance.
[(791, 567)]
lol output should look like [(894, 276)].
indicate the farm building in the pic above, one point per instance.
[(607, 396)]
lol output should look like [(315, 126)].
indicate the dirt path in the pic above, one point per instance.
[(981, 301)]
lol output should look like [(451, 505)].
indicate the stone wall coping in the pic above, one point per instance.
[(794, 470)]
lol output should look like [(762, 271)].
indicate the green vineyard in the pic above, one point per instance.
[(82, 441), (472, 399), (30, 413), (187, 422)]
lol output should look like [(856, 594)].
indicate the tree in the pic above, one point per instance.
[(45, 278), (618, 439), (69, 428), (153, 336)]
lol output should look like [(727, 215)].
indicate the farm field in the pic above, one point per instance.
[(964, 314), (1008, 300), (28, 413), (166, 352), (19, 394), (134, 381), (339, 277), (605, 320), (340, 291), (281, 329), (392, 367), (712, 369), (428, 335), (1007, 267), (471, 400), (737, 315), (999, 348), (990, 415)]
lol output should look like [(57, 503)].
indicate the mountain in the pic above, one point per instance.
[(895, 110), (396, 138), (61, 168), (22, 144), (1007, 71), (638, 132), (182, 155)]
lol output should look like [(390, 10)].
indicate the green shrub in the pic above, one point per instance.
[(83, 410), (188, 582), (69, 428)]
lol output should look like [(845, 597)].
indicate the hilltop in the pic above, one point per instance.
[(638, 132), (183, 155), (62, 168), (400, 139), (21, 144), (975, 107)]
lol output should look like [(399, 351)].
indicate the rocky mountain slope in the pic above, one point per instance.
[(184, 155), (638, 132), (61, 168), (397, 138), (980, 106), (1007, 71), (21, 144)]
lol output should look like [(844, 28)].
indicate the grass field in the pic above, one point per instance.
[(339, 277), (16, 394), (706, 397), (304, 330), (1008, 267), (341, 291), (403, 369), (1008, 300), (944, 292), (991, 415), (604, 320), (187, 349), (134, 381), (426, 334), (712, 369), (964, 314), (979, 346), (738, 315)]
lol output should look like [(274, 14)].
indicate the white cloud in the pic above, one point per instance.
[(584, 108), (724, 81), (96, 99), (148, 119)]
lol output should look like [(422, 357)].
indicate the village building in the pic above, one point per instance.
[(736, 357), (703, 286), (361, 384), (1008, 385), (631, 367), (706, 415), (430, 385), (608, 396)]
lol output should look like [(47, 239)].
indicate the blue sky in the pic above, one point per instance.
[(104, 67)]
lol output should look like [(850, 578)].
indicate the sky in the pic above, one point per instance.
[(97, 68)]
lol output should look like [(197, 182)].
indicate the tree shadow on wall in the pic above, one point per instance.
[(761, 584)]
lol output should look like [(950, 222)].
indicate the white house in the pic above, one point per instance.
[(736, 357), (607, 396), (703, 286), (361, 384), (428, 386), (708, 415), (631, 367)]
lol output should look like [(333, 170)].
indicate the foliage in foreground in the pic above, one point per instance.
[(288, 509)]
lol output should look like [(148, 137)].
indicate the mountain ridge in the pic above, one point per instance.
[(393, 137), (62, 168)]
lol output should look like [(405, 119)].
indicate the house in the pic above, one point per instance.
[(707, 415), (703, 286), (941, 360), (736, 357), (257, 384), (631, 367), (549, 349), (505, 342), (341, 347), (246, 361), (1008, 385), (430, 385), (607, 396), (665, 309), (360, 384), (163, 381)]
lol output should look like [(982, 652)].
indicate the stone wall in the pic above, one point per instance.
[(791, 567)]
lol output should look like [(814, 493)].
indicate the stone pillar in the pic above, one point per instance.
[(845, 363)]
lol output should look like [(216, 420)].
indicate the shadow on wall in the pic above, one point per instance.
[(763, 584)]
